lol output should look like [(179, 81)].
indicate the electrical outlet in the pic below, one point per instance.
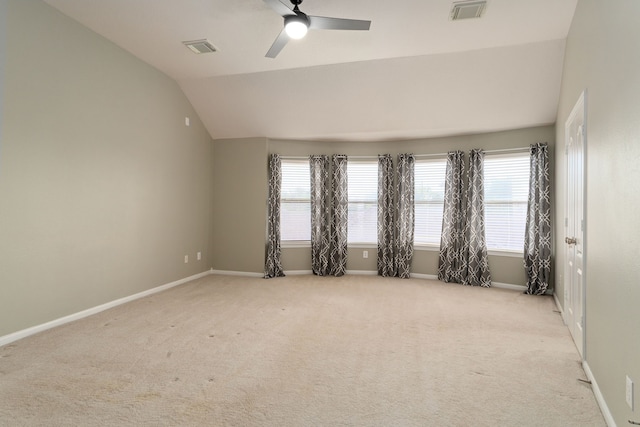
[(199, 256), (186, 259), (629, 393), (365, 254)]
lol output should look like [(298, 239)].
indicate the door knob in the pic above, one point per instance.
[(570, 240)]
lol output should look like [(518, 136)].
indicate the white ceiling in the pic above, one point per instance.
[(414, 74)]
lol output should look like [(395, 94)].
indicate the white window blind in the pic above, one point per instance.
[(362, 186), (429, 200), (506, 190), (295, 201)]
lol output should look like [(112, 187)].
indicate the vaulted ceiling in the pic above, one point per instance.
[(415, 74)]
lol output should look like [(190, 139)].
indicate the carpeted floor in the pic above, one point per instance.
[(304, 351)]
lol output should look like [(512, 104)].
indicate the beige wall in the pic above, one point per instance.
[(3, 44), (239, 203), (103, 189), (504, 269), (602, 57)]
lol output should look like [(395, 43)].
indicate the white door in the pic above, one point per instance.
[(574, 280)]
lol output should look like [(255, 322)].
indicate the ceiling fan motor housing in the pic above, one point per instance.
[(298, 17)]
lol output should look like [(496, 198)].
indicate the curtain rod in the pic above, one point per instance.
[(507, 150), (373, 156), (294, 157), (417, 156), (421, 156), (497, 151)]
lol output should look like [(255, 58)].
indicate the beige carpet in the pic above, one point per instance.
[(304, 351)]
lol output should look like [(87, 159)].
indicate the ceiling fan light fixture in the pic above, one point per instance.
[(296, 26)]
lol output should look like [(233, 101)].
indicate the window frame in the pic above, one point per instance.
[(432, 246), (421, 246), (302, 243), (505, 252), (373, 161)]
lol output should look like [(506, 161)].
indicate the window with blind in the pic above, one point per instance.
[(295, 201), (429, 200), (362, 183), (506, 190)]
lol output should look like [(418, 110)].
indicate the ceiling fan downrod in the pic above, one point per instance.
[(295, 4)]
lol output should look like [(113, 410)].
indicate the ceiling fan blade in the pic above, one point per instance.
[(278, 44), (279, 7), (324, 23)]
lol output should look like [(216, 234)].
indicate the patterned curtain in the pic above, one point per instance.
[(272, 265), (477, 261), (339, 216), (537, 238), (405, 219), (320, 214), (452, 263), (386, 260)]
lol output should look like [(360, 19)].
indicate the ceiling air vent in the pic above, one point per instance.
[(200, 46), (467, 10)]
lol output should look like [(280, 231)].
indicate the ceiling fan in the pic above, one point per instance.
[(296, 24)]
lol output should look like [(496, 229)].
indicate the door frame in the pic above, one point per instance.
[(580, 107)]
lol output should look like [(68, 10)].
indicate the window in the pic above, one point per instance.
[(429, 200), (506, 190), (363, 201), (295, 198), (295, 201)]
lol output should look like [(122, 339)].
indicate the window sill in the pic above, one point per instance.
[(363, 245), (295, 244), (292, 244), (424, 247), (501, 253), (504, 253)]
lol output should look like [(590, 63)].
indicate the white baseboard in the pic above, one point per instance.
[(423, 276), (363, 272), (309, 272), (599, 397), (555, 298), (508, 286), (360, 273), (298, 272), (6, 339), (237, 273), (493, 284)]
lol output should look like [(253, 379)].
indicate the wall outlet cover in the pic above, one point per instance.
[(629, 393)]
